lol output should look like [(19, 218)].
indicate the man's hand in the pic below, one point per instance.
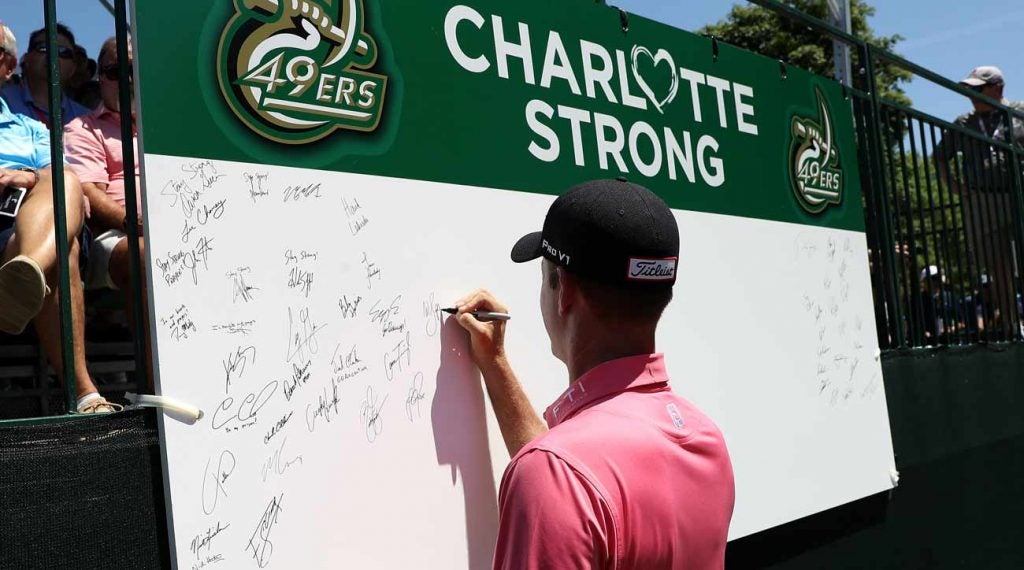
[(487, 339), (17, 178)]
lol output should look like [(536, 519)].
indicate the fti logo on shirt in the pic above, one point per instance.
[(295, 71)]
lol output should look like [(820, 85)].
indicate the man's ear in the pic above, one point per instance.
[(568, 291), (10, 63)]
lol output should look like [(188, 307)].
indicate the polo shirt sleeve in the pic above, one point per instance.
[(551, 517), (85, 152), (40, 143)]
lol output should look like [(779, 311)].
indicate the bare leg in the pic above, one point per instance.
[(48, 327), (120, 270), (33, 228)]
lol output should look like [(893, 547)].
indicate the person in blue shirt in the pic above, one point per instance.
[(31, 97), (28, 244)]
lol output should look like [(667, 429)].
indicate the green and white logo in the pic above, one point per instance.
[(294, 71), (815, 174)]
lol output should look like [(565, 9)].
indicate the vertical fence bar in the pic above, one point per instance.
[(125, 85), (930, 312), (937, 215), (60, 214)]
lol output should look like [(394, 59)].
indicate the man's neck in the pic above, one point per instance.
[(588, 349), (40, 93)]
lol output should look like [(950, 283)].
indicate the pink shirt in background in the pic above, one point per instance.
[(92, 147), (629, 477)]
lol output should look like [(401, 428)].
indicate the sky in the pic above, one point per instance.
[(949, 37)]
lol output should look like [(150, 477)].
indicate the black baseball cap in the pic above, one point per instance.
[(611, 231)]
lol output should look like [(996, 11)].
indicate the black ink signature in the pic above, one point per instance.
[(204, 214), (181, 193), (295, 193), (214, 481), (300, 376), (369, 414), (303, 339), (240, 289), (277, 427), (301, 280), (433, 316), (235, 364), (356, 221), (393, 358), (383, 316), (372, 271), (349, 306), (346, 366), (276, 463), (256, 184), (245, 413), (259, 542), (205, 538), (325, 404), (241, 327), (414, 397), (186, 232), (204, 170), (179, 323)]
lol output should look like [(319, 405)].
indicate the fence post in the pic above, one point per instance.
[(60, 215), (130, 201)]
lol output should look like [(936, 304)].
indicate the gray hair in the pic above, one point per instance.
[(10, 43)]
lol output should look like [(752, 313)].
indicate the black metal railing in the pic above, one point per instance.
[(943, 206)]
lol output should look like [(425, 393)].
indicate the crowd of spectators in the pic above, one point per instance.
[(94, 191)]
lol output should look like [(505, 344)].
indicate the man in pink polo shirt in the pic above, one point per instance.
[(627, 474), (92, 144)]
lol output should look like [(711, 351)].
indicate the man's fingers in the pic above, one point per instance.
[(469, 322), (479, 300)]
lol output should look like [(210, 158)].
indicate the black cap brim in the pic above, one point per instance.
[(527, 248)]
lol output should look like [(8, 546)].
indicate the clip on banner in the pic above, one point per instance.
[(181, 411)]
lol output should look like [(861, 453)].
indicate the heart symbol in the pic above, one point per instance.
[(656, 60)]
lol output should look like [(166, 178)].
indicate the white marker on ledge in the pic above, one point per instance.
[(186, 413)]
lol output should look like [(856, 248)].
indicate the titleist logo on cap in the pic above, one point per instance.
[(651, 269)]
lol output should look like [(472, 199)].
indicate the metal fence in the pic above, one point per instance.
[(943, 207)]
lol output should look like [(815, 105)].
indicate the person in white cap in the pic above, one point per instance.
[(984, 180)]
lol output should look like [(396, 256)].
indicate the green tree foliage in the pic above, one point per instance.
[(768, 33)]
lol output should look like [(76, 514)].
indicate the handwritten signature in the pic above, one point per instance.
[(259, 542), (256, 184), (393, 358), (205, 538), (214, 481), (302, 342), (326, 407), (235, 364), (204, 171), (369, 414), (296, 193), (349, 307), (414, 397), (244, 414), (240, 288), (276, 463)]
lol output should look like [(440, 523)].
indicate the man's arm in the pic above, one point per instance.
[(20, 178), (518, 420), (106, 213)]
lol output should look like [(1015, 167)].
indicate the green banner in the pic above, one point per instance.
[(530, 96)]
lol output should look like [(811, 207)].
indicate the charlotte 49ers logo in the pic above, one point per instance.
[(294, 71), (816, 176)]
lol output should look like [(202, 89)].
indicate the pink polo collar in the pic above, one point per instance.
[(604, 380)]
